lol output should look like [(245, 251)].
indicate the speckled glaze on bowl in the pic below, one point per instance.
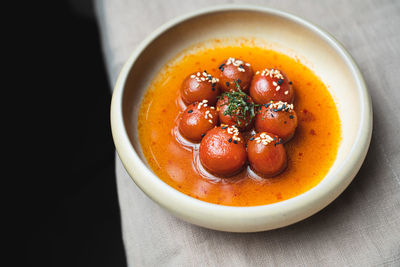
[(296, 37)]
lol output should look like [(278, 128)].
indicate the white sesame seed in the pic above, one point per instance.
[(277, 88), (286, 92), (264, 138), (212, 107), (237, 63), (192, 76), (210, 121), (198, 74), (279, 105), (272, 73)]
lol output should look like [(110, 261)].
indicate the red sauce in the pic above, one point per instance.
[(311, 152)]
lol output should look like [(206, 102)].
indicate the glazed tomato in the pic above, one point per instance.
[(238, 70), (271, 84), (199, 86), (267, 156), (196, 120), (277, 118), (240, 114), (222, 151)]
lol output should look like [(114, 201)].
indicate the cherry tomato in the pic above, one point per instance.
[(199, 86), (235, 70), (243, 121), (222, 151), (267, 156), (277, 118), (196, 120), (271, 84)]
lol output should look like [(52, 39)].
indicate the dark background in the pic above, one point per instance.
[(70, 210)]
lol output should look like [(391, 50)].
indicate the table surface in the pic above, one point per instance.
[(360, 228)]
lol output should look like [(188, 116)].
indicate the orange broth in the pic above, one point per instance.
[(311, 152)]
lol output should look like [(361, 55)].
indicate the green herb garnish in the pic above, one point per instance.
[(239, 105)]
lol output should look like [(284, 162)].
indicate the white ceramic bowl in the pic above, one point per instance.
[(316, 49)]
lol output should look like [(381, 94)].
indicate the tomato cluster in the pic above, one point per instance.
[(247, 123)]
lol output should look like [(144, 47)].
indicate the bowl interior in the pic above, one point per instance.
[(281, 33)]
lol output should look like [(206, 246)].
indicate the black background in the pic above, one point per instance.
[(70, 208)]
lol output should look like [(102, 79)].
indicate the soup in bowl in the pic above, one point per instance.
[(241, 119)]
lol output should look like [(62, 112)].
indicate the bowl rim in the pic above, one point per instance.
[(326, 191)]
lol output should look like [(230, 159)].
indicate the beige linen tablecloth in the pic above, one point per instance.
[(360, 228)]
